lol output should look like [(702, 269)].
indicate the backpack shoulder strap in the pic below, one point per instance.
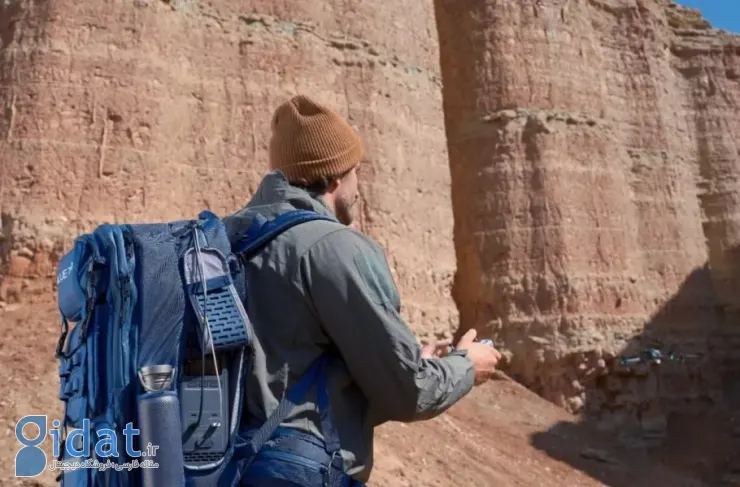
[(262, 231), (315, 375), (257, 235)]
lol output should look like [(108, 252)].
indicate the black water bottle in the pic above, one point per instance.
[(159, 423)]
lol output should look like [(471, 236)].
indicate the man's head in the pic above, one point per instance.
[(317, 149)]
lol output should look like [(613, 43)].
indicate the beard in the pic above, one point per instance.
[(345, 209)]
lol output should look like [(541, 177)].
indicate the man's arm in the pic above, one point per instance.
[(353, 293)]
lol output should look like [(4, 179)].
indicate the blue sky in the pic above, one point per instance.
[(722, 14)]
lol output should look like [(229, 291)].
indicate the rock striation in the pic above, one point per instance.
[(595, 163), (152, 110)]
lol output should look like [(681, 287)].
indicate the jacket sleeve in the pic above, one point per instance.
[(347, 279)]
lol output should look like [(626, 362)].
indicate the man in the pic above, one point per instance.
[(324, 288)]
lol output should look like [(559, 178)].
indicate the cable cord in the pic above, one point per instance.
[(207, 330)]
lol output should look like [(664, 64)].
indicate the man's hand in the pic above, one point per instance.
[(483, 356), (435, 348)]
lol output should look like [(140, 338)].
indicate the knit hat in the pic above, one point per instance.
[(310, 141)]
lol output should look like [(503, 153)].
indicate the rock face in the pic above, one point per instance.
[(593, 150), (595, 175), (151, 110)]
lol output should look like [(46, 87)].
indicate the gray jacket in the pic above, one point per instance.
[(324, 286)]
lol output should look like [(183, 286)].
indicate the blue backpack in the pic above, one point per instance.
[(153, 372)]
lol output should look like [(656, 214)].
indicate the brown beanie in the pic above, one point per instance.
[(310, 141)]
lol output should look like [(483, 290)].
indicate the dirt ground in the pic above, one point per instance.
[(500, 435)]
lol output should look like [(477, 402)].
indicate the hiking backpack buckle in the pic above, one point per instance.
[(329, 470)]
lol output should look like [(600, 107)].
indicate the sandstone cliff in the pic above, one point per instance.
[(594, 159), (593, 178), (150, 110)]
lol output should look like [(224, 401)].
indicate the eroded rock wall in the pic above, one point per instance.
[(594, 157), (593, 153), (149, 110)]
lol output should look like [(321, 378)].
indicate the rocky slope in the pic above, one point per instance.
[(501, 435), (594, 157)]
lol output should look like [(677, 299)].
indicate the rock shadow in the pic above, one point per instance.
[(670, 422)]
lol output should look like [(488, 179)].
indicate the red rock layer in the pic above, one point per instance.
[(151, 110), (594, 158)]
